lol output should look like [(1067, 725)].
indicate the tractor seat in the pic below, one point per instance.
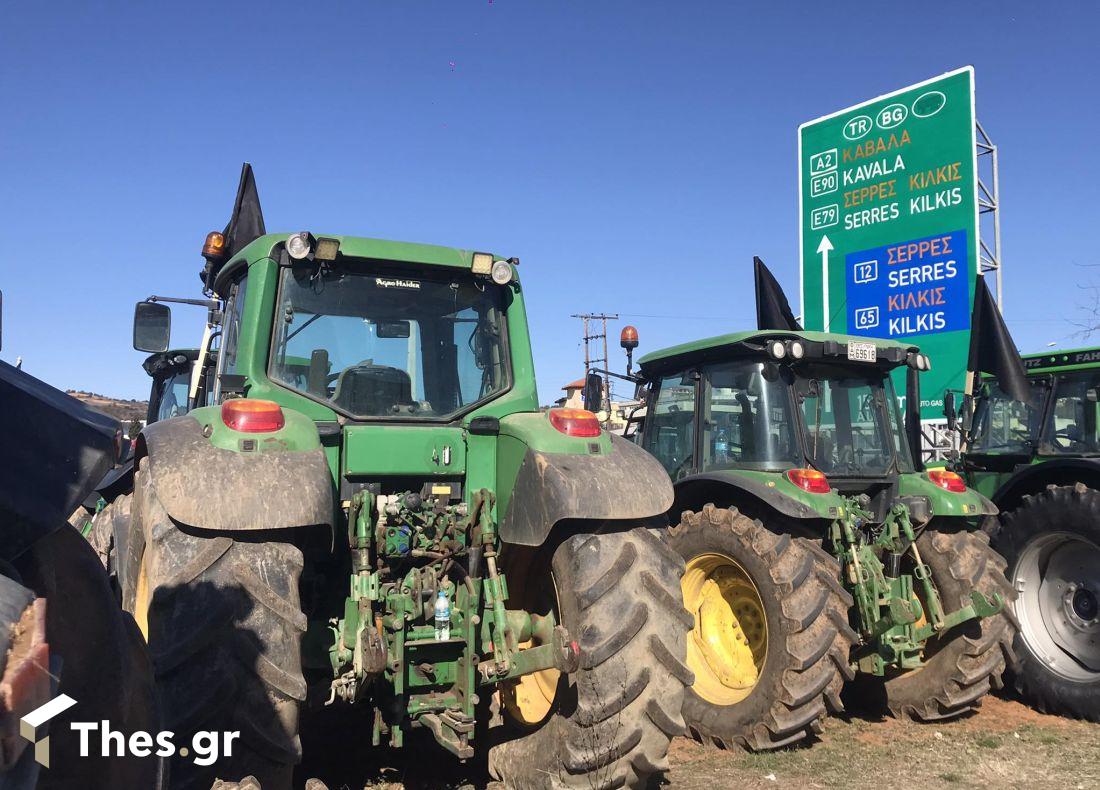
[(369, 389)]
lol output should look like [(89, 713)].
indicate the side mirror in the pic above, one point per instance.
[(966, 414), (949, 410), (1092, 395), (392, 328), (152, 326), (641, 392), (593, 392)]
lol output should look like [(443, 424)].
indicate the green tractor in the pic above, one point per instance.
[(372, 513), (816, 546), (1040, 463)]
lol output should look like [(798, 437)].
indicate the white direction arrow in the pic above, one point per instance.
[(823, 249)]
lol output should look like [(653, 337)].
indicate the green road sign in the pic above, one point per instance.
[(888, 234)]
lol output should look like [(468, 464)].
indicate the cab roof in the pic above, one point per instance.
[(1068, 359), (720, 346), (358, 247)]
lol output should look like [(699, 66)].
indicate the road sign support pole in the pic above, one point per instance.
[(989, 205)]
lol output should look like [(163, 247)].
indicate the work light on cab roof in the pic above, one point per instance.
[(499, 271), (301, 245)]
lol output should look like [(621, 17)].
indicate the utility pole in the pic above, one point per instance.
[(589, 336)]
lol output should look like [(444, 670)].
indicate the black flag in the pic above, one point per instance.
[(246, 224), (772, 309), (991, 347)]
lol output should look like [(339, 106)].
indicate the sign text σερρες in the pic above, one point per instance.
[(909, 288)]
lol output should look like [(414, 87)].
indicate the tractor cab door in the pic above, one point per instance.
[(669, 431)]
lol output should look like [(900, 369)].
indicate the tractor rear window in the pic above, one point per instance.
[(390, 346), (852, 424)]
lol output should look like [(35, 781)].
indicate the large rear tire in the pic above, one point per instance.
[(610, 722), (965, 663), (771, 642), (224, 624), (1052, 545)]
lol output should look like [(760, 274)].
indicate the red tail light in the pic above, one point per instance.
[(575, 422), (948, 481), (809, 480), (252, 416)]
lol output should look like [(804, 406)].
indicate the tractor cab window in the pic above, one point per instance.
[(390, 346), (170, 395), (852, 423), (669, 433), (1071, 423), (748, 417), (1004, 425)]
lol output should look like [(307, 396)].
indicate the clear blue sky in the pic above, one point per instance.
[(634, 155)]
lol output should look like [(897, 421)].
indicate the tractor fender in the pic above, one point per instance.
[(210, 487), (703, 485), (1036, 477), (626, 483)]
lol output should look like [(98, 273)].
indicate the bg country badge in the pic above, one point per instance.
[(205, 747)]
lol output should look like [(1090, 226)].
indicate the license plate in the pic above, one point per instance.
[(862, 352)]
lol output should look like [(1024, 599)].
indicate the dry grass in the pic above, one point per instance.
[(1004, 745)]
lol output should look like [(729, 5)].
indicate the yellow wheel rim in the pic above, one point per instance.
[(729, 642), (529, 699), (141, 599)]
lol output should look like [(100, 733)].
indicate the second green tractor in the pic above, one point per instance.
[(817, 547)]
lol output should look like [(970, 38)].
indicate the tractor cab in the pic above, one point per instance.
[(1061, 420), (800, 405)]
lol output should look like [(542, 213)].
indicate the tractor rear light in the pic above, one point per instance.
[(948, 481), (575, 422), (252, 416), (809, 480)]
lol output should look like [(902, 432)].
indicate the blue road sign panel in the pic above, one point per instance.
[(909, 288)]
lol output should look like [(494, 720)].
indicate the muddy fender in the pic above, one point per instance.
[(626, 483), (211, 487)]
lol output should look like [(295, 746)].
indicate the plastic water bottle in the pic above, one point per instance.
[(442, 617), (721, 447)]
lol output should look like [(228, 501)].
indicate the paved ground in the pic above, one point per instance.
[(1006, 744)]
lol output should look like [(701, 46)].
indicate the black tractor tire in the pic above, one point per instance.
[(1075, 512), (809, 638), (968, 661), (104, 666), (613, 719), (224, 624), (108, 528)]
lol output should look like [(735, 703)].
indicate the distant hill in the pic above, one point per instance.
[(122, 410)]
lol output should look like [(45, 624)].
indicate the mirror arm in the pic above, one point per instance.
[(632, 378), (212, 304)]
